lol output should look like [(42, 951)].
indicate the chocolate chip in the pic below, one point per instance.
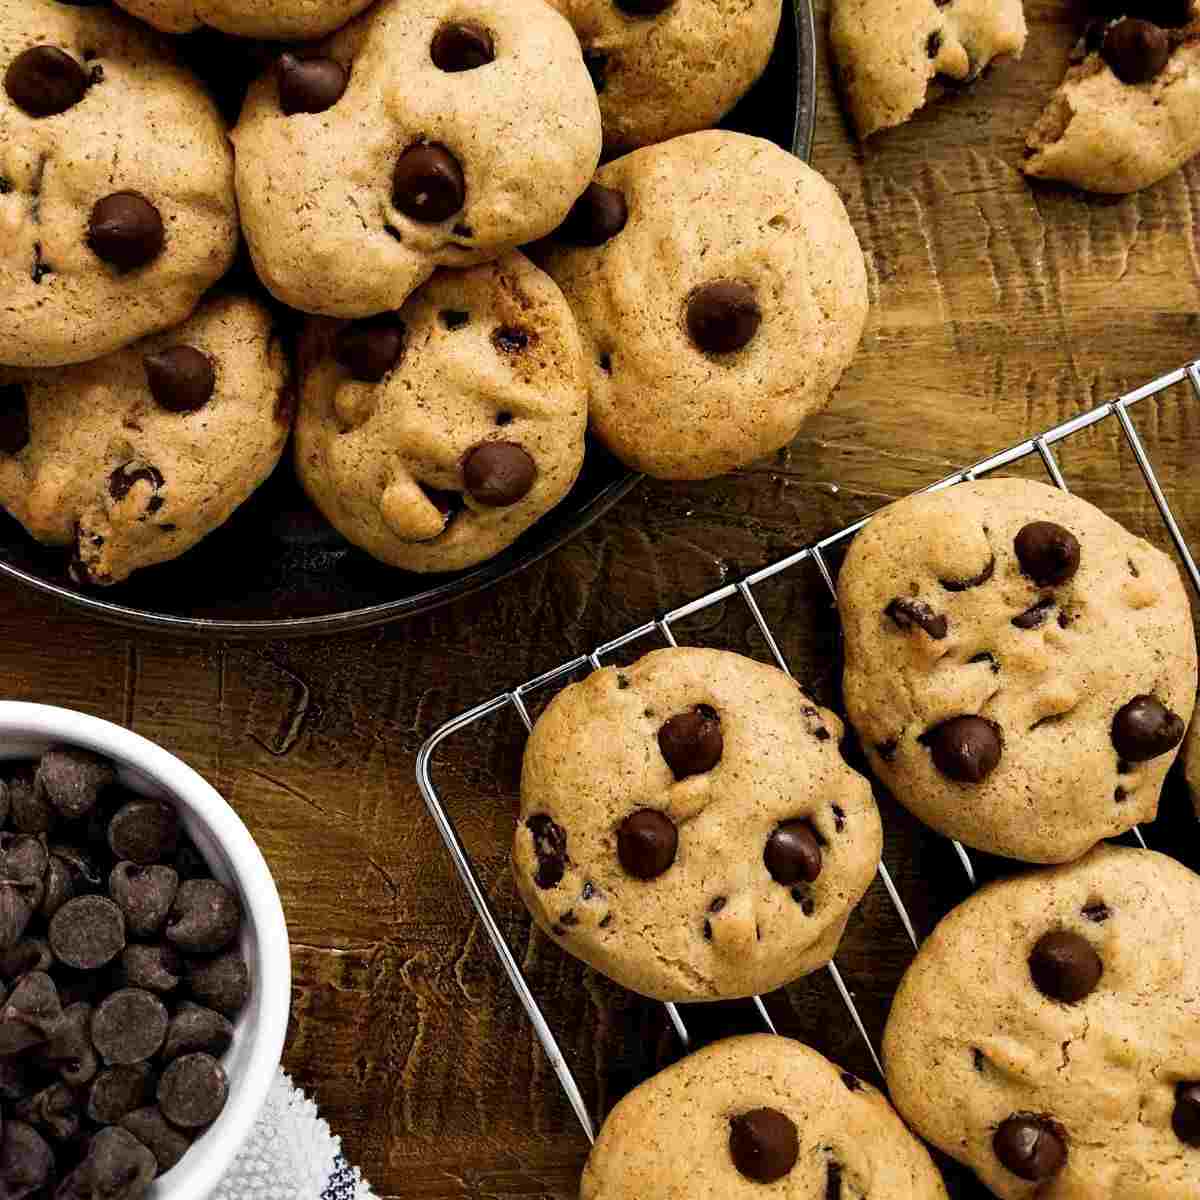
[(851, 1082), (692, 741), (14, 419), (181, 378), (646, 843), (69, 1049), (1065, 966), (144, 895), (29, 954), (933, 44), (793, 853), (194, 1029), (1185, 1120), (833, 1181), (839, 818), (126, 231), (370, 348), (1097, 911), (596, 62), (144, 832), (87, 932), (1145, 728), (26, 1162), (966, 749), (23, 858), (193, 1090), (510, 340), (125, 478), (157, 968), (117, 1167), (723, 316), (461, 46), (598, 215), (906, 613), (453, 318), (428, 184), (150, 1128), (129, 1025), (221, 983), (1136, 50), (15, 1080), (29, 808), (1048, 553), (85, 875), (1030, 1146), (17, 905), (44, 81), (73, 779), (30, 1014), (117, 1091), (204, 917), (718, 903), (1170, 14), (973, 581), (644, 8), (309, 85), (1035, 615), (550, 846), (53, 1111), (763, 1144), (887, 749), (498, 474)]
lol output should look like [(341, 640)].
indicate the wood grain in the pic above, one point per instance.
[(998, 309)]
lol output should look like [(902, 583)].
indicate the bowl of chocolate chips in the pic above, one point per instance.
[(145, 977)]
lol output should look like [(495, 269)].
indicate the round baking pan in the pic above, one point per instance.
[(276, 568)]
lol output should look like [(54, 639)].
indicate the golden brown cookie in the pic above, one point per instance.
[(434, 436), (754, 1116), (284, 19), (720, 291), (689, 827), (1048, 1033), (117, 208), (135, 457), (1019, 667)]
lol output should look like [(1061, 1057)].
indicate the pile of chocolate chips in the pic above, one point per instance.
[(119, 979)]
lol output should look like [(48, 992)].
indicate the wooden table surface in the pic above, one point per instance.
[(997, 309)]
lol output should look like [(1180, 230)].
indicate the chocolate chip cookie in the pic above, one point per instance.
[(434, 436), (696, 268), (1048, 1033), (133, 458), (750, 1112), (424, 134), (1128, 112), (283, 19), (1019, 667), (889, 53), (116, 185), (668, 67), (689, 827)]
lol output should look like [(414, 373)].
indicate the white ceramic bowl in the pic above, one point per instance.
[(251, 1062)]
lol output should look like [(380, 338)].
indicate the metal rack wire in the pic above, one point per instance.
[(661, 630)]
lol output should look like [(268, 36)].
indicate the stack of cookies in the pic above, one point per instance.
[(694, 301)]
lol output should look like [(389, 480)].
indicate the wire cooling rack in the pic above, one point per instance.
[(661, 630)]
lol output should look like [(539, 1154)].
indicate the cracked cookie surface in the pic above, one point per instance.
[(753, 1111), (135, 457), (1019, 667), (423, 134), (247, 18), (105, 236), (1048, 1033), (689, 827), (434, 436)]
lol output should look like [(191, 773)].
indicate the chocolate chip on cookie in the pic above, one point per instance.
[(1065, 966), (129, 1026), (646, 843), (793, 853), (1136, 50), (123, 480), (1048, 553), (965, 584), (1145, 728), (1030, 1146), (498, 474), (14, 419), (763, 1144), (598, 215), (87, 932), (44, 81), (1185, 1120), (310, 85), (181, 378), (723, 316), (966, 749), (193, 1090), (692, 742), (907, 613), (644, 8), (461, 46), (126, 231), (1035, 616), (550, 846), (370, 348), (428, 184)]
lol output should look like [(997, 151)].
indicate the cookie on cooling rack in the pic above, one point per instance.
[(721, 292), (664, 67), (757, 1111), (1019, 667), (116, 185), (1048, 1033), (426, 133), (135, 457), (889, 53), (688, 826), (247, 18), (1128, 113), (433, 437)]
